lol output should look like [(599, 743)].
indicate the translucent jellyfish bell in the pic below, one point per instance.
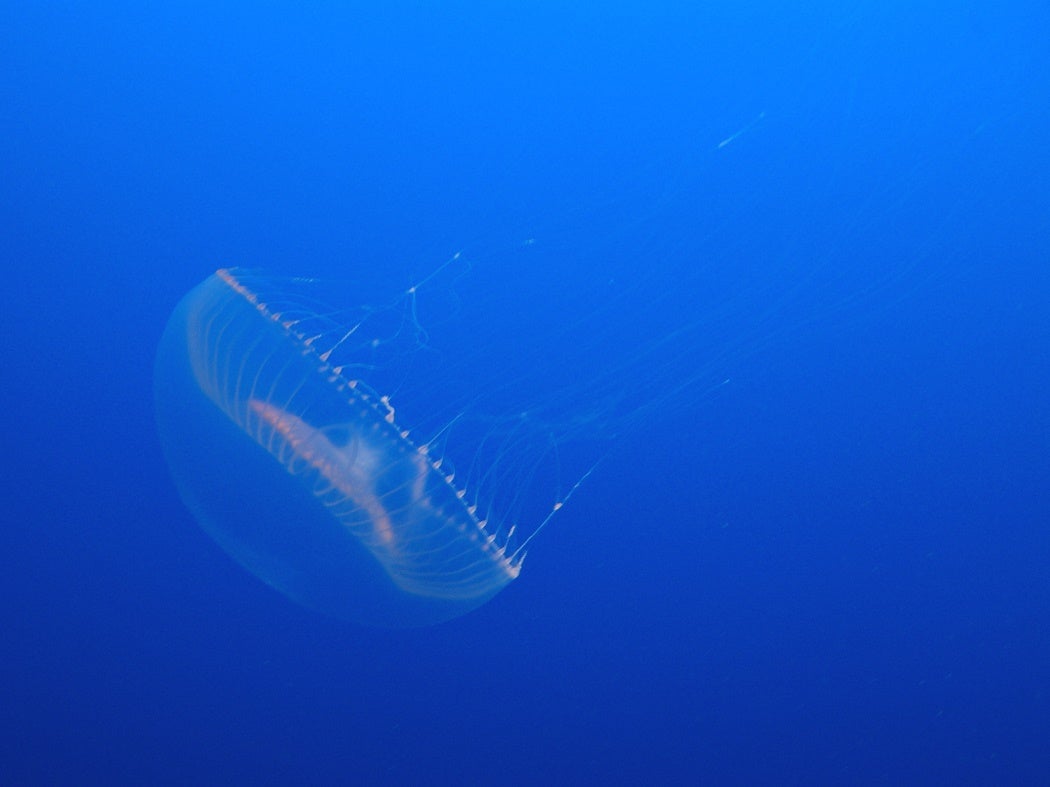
[(302, 474)]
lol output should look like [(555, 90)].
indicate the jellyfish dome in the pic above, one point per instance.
[(302, 473)]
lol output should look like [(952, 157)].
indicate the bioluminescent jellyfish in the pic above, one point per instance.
[(276, 401), (301, 471)]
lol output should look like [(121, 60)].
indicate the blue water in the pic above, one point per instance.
[(796, 260)]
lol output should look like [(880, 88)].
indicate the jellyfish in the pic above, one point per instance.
[(301, 471)]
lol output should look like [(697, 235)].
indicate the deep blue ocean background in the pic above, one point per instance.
[(816, 237)]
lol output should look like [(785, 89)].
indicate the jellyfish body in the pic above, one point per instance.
[(302, 474)]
